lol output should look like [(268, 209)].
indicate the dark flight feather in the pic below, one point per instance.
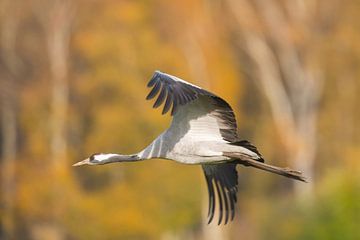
[(223, 179)]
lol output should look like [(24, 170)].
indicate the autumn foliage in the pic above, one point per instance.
[(73, 80)]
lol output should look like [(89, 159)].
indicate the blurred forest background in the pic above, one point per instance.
[(73, 80)]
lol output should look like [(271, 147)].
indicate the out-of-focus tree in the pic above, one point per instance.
[(115, 48), (10, 66), (282, 41), (57, 17)]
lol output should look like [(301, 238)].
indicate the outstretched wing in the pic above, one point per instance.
[(177, 95), (222, 180), (204, 116)]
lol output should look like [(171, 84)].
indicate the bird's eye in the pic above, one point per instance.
[(92, 157)]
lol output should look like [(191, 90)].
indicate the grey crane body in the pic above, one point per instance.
[(203, 131), (192, 139)]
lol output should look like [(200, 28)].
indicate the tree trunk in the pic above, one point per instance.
[(58, 30), (58, 42), (57, 18)]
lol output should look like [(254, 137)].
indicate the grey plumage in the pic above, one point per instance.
[(203, 131), (221, 178)]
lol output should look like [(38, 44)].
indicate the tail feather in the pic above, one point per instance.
[(246, 144)]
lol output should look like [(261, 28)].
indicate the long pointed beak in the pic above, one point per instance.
[(83, 162)]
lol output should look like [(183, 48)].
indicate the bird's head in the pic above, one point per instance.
[(95, 159)]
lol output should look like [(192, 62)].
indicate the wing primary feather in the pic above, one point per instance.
[(188, 94), (211, 209), (232, 198), (160, 98), (154, 91), (178, 93), (175, 104), (168, 102), (189, 98), (182, 98), (232, 206), (222, 179), (231, 194), (235, 191), (220, 201), (223, 187), (226, 204), (153, 80)]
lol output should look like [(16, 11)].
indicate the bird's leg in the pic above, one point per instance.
[(249, 162)]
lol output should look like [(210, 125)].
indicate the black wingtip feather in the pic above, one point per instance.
[(211, 199), (160, 98), (224, 177), (153, 80), (182, 93), (218, 187), (154, 91), (175, 105), (168, 104), (224, 195)]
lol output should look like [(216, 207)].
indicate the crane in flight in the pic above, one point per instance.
[(203, 131)]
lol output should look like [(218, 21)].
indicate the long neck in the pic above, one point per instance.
[(112, 158)]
